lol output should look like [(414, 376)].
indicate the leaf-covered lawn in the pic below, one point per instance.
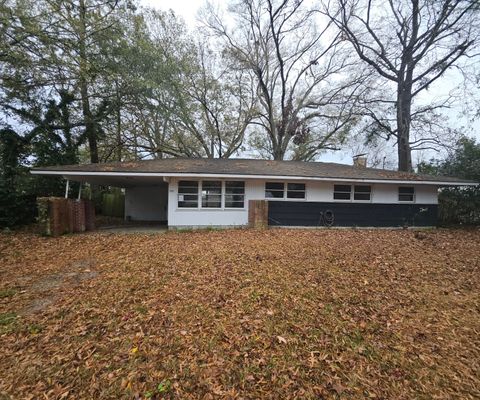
[(241, 314)]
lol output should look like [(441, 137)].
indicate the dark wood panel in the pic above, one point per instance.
[(301, 213)]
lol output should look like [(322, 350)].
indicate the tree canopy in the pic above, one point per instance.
[(103, 80)]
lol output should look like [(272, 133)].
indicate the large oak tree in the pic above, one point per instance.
[(410, 45)]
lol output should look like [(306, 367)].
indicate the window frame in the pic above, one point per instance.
[(342, 191), (204, 197), (413, 194), (369, 193), (304, 191), (285, 191), (352, 193), (197, 194), (275, 190), (223, 193)]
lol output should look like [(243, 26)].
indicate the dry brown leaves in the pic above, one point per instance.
[(241, 314)]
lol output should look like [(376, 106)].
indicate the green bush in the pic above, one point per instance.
[(459, 206)]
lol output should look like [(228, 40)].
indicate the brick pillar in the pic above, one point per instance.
[(78, 215), (70, 216), (258, 213), (58, 210)]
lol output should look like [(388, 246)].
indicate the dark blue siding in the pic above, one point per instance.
[(301, 213)]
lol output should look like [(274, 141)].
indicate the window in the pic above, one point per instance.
[(362, 192), (342, 192), (406, 193), (295, 190), (274, 190), (278, 190), (211, 194), (188, 194), (234, 194)]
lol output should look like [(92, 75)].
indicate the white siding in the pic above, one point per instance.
[(388, 194), (146, 203), (255, 190), (319, 191)]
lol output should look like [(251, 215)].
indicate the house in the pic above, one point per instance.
[(216, 192)]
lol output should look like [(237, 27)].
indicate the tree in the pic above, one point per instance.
[(409, 45), (463, 162), (59, 46), (304, 103), (213, 105), (458, 205)]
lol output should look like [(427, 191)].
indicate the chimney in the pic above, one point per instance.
[(360, 160)]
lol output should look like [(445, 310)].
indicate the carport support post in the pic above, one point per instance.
[(67, 187), (79, 191)]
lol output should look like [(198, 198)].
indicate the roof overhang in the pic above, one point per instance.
[(84, 176)]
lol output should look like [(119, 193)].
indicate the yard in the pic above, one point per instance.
[(241, 314)]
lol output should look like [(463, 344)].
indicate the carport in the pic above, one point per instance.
[(146, 197)]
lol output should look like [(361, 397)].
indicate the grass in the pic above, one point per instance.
[(230, 314), (5, 293), (7, 322)]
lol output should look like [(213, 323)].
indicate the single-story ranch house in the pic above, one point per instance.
[(216, 192)]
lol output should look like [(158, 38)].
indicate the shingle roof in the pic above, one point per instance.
[(249, 167)]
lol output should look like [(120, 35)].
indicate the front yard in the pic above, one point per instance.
[(241, 314)]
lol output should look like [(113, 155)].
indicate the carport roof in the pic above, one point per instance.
[(244, 168)]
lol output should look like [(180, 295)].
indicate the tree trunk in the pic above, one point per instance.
[(278, 145), (119, 124), (404, 105), (90, 128)]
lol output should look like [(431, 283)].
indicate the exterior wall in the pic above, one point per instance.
[(146, 203), (193, 217), (352, 214), (316, 191), (388, 194)]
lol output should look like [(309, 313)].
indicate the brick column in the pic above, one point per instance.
[(78, 215)]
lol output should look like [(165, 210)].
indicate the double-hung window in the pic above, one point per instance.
[(188, 194), (295, 190), (284, 190), (211, 194), (342, 192), (274, 190), (234, 194), (406, 193), (362, 192)]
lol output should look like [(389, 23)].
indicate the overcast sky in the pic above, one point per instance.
[(188, 9)]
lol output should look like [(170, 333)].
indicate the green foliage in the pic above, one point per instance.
[(162, 388), (113, 203), (42, 219), (6, 293), (17, 205), (7, 322), (458, 205), (49, 141)]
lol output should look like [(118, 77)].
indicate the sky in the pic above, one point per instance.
[(188, 9)]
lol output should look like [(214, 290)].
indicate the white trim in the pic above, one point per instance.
[(285, 192), (414, 195), (223, 193), (240, 177), (352, 194)]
